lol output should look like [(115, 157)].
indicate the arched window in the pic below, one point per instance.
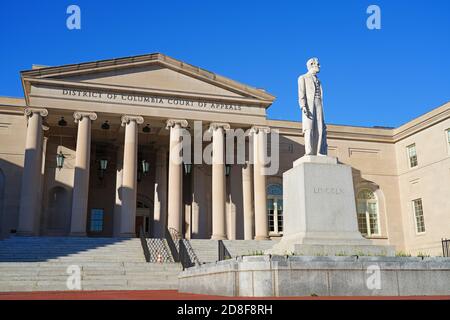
[(367, 210), (275, 208)]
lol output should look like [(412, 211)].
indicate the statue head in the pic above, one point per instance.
[(313, 65)]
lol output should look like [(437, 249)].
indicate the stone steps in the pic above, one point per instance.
[(40, 264)]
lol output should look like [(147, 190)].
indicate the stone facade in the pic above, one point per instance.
[(165, 95)]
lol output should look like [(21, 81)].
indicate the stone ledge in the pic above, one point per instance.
[(267, 275)]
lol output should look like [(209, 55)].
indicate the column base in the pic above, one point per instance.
[(262, 238), (78, 234), (218, 237)]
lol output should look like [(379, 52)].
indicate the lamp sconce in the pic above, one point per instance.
[(187, 168), (103, 167), (105, 125), (62, 122), (145, 166), (227, 169), (60, 160)]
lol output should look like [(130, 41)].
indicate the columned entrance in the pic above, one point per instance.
[(114, 132)]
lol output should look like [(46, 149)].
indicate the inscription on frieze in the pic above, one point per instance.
[(151, 100)]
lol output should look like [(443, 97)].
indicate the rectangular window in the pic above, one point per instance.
[(280, 215), (97, 220), (270, 211), (418, 215), (412, 155)]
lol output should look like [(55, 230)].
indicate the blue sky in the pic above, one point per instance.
[(370, 77)]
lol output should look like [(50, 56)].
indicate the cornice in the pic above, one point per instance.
[(138, 61)]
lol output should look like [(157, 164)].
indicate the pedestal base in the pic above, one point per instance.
[(320, 212)]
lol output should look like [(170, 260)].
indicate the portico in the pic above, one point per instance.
[(117, 126)]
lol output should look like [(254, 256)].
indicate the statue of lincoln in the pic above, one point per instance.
[(310, 99)]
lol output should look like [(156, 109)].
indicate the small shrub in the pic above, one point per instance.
[(402, 254)]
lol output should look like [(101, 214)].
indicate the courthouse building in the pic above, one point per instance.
[(86, 153)]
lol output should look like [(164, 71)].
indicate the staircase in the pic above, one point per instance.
[(40, 264), (205, 249)]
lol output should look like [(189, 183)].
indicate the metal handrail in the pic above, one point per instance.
[(185, 259), (446, 247), (172, 236), (144, 244), (191, 252), (224, 254)]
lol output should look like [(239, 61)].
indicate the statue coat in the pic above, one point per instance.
[(306, 90)]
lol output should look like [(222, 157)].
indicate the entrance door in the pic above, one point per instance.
[(139, 224), (142, 218)]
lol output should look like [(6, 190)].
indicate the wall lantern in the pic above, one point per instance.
[(103, 167), (227, 169), (145, 166), (105, 125), (187, 168), (62, 122), (60, 160)]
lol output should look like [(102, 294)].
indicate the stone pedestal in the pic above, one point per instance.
[(319, 211)]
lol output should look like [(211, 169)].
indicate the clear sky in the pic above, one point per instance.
[(380, 77)]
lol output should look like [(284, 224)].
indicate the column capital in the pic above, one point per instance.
[(216, 125), (41, 111), (127, 118), (258, 129), (170, 123), (78, 115)]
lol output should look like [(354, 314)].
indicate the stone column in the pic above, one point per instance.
[(218, 180), (29, 201), (160, 194), (247, 197), (259, 180), (129, 175), (175, 180), (81, 177), (118, 202), (195, 222)]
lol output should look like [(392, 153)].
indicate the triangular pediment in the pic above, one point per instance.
[(155, 72)]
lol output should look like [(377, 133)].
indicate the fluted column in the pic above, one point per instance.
[(259, 182), (175, 181), (218, 180), (29, 201), (81, 177), (129, 175), (160, 194), (247, 197)]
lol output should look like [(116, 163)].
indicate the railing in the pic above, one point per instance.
[(144, 244), (446, 247), (172, 237), (224, 254), (187, 255), (181, 249)]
